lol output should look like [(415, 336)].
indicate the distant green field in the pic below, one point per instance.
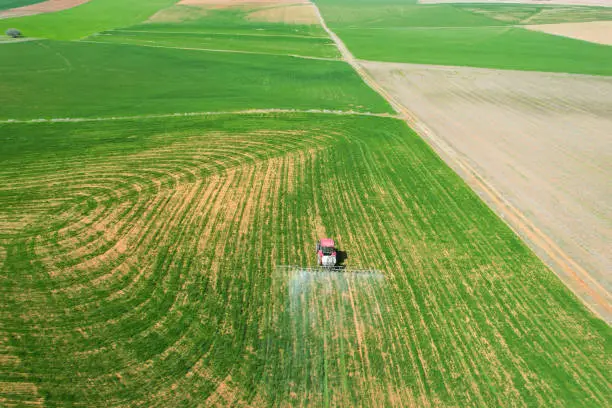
[(9, 4), (86, 19), (282, 45), (453, 35), (487, 47), (393, 15), (74, 79), (139, 267), (231, 20), (224, 29), (537, 14)]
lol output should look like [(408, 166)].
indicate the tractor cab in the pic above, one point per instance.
[(326, 252)]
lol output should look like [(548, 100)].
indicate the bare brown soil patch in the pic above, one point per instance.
[(290, 14), (26, 393), (49, 6), (9, 360), (178, 14), (540, 140), (602, 3), (599, 32)]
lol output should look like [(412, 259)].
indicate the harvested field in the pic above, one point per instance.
[(49, 6), (594, 31), (542, 140)]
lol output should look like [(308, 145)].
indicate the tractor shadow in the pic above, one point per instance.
[(341, 256)]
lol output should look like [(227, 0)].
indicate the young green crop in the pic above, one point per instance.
[(487, 47), (454, 35), (86, 19), (139, 267), (73, 79), (538, 14), (138, 257), (231, 20), (225, 29), (9, 4), (255, 43)]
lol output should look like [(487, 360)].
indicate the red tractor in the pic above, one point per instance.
[(326, 253)]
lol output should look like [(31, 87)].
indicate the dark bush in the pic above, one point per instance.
[(13, 32)]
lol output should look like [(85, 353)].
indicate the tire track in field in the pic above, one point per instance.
[(195, 114), (228, 51)]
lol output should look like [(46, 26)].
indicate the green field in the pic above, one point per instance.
[(9, 4), (140, 246), (466, 35), (89, 18), (224, 29), (539, 14), (264, 44), (139, 266), (230, 20), (46, 79)]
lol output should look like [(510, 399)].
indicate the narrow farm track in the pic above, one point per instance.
[(203, 49), (195, 114), (234, 34), (580, 281)]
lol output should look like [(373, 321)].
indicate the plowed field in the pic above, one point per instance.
[(541, 140)]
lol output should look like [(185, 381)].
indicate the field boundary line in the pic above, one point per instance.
[(594, 296), (213, 50), (195, 114), (17, 40), (200, 33), (426, 28)]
